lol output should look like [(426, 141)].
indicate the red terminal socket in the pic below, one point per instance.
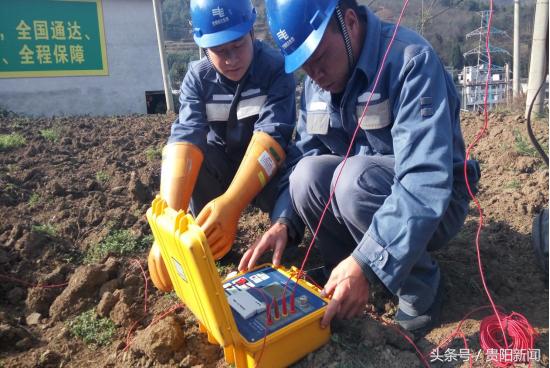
[(283, 304), (292, 306), (276, 308)]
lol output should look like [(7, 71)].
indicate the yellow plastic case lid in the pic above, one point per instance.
[(187, 256)]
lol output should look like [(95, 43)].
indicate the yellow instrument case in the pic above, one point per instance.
[(197, 283)]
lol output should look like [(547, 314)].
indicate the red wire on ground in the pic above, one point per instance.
[(168, 311), (164, 314), (128, 335), (418, 352), (517, 328), (458, 330), (145, 290), (172, 309), (495, 330)]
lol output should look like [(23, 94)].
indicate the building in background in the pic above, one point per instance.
[(78, 57), (472, 82)]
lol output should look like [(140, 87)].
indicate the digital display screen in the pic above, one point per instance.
[(274, 290)]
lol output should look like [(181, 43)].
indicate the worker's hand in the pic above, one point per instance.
[(349, 289), (218, 219), (274, 239)]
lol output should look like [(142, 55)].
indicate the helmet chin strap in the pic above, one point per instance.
[(345, 35)]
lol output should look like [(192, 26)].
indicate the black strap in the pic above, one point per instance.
[(347, 39)]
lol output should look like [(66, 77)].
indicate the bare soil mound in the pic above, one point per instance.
[(74, 239)]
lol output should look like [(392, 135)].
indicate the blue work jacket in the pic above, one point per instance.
[(413, 116), (267, 104)]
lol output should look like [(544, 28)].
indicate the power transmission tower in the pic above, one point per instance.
[(474, 76)]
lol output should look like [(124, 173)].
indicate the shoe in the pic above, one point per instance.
[(319, 275), (419, 326)]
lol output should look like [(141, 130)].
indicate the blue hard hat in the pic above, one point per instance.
[(216, 22), (298, 26)]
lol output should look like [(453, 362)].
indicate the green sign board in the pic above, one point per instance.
[(43, 38)]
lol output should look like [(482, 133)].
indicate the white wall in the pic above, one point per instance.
[(134, 67)]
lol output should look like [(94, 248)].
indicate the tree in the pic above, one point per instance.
[(457, 60), (176, 19)]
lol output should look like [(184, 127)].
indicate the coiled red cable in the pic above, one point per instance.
[(519, 331)]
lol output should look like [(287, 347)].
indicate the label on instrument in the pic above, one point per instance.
[(245, 304), (179, 269)]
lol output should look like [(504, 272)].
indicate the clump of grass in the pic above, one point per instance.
[(514, 184), (34, 199), (10, 187), (138, 213), (118, 242), (538, 116), (223, 270), (153, 153), (11, 141), (102, 176), (45, 229), (13, 168), (523, 147), (172, 296), (92, 330), (147, 240), (51, 134)]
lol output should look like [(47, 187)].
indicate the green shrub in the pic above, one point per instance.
[(92, 330), (34, 199), (523, 147), (153, 153), (11, 141), (46, 229), (51, 135), (147, 241), (118, 242), (225, 269), (514, 184), (102, 177), (10, 187)]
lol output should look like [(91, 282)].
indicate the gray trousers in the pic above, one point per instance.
[(362, 188), (217, 170)]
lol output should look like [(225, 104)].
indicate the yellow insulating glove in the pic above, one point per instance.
[(181, 162), (220, 216)]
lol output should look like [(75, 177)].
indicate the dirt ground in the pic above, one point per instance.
[(76, 180)]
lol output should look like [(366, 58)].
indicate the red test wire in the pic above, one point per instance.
[(495, 328)]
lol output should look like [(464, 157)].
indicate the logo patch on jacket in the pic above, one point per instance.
[(250, 105), (378, 113), (318, 118)]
